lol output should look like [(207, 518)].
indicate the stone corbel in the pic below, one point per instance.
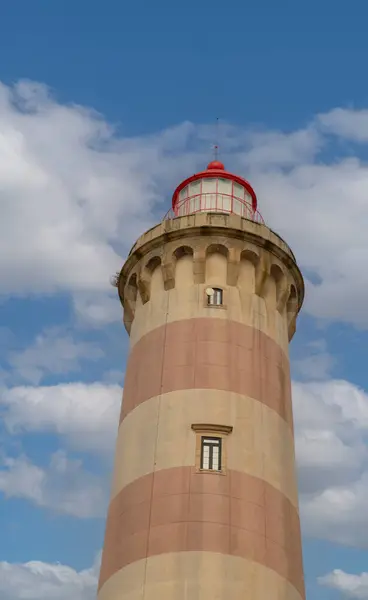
[(262, 273), (199, 265), (233, 266), (144, 287), (283, 295), (291, 325), (168, 273), (292, 312), (128, 314)]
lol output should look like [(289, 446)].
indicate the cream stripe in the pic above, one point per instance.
[(204, 575), (187, 302), (157, 435)]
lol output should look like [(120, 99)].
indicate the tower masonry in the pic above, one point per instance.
[(204, 501)]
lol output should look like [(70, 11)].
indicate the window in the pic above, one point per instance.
[(214, 296), (184, 193), (239, 191), (195, 196), (211, 453)]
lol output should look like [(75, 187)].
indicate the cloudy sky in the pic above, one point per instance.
[(104, 108)]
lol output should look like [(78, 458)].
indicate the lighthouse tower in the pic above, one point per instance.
[(204, 502)]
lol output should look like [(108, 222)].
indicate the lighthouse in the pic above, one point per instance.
[(204, 499)]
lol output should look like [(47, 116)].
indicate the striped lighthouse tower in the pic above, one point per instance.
[(204, 501)]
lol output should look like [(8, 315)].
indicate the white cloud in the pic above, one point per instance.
[(274, 148), (346, 123), (336, 402), (54, 239), (331, 425), (64, 486), (86, 414), (338, 513), (74, 195), (318, 204), (97, 309), (53, 352), (351, 586), (316, 363), (321, 211), (43, 581), (86, 418)]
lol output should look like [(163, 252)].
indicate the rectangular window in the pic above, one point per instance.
[(214, 296), (239, 191), (237, 207), (211, 453), (224, 186), (184, 193)]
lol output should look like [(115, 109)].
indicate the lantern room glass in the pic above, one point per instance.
[(215, 194)]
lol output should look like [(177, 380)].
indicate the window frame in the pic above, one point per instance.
[(218, 291), (208, 431), (211, 447)]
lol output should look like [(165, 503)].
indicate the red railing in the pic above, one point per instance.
[(215, 202)]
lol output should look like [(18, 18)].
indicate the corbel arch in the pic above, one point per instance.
[(292, 310), (217, 257), (183, 261), (182, 251), (249, 260), (282, 289), (217, 248), (130, 299)]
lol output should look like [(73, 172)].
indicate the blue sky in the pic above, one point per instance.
[(104, 108)]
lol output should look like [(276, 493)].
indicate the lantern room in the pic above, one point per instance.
[(216, 190)]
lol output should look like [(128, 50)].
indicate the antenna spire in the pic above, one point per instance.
[(216, 146), (215, 163)]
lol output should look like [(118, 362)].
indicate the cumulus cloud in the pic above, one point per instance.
[(278, 149), (351, 586), (331, 425), (53, 352), (43, 581), (323, 203), (349, 124), (317, 202), (86, 415), (65, 486), (75, 194), (54, 238), (98, 309)]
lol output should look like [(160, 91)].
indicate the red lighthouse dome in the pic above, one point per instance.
[(216, 165), (216, 190)]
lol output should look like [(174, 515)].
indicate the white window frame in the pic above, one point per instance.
[(211, 453)]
